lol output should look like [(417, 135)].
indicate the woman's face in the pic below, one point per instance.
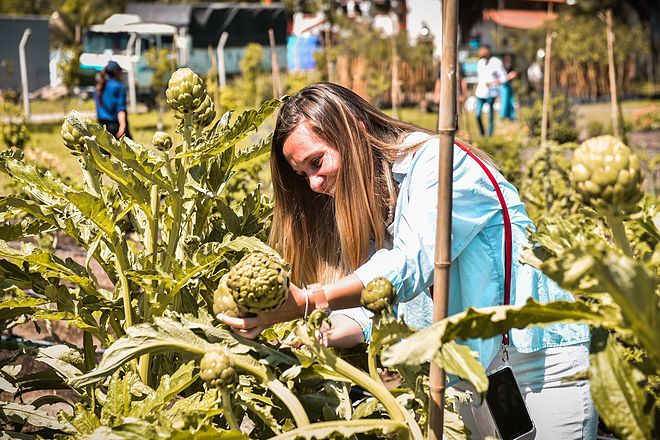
[(312, 158)]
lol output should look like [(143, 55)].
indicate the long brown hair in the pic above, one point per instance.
[(326, 237)]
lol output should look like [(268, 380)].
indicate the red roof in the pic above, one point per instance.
[(518, 18)]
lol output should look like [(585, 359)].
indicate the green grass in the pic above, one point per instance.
[(63, 105)]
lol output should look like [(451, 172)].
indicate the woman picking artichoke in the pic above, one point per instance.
[(356, 199)]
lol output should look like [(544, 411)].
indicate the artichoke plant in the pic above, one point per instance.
[(162, 141), (606, 174), (378, 295), (223, 301), (205, 114), (185, 91), (217, 369), (259, 282), (73, 139)]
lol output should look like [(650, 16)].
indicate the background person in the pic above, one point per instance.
[(490, 74), (507, 99), (110, 99), (355, 199)]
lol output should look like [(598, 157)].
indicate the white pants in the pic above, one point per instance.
[(559, 410)]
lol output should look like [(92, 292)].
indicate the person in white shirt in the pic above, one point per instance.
[(490, 74)]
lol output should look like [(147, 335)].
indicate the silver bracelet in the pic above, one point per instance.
[(306, 293)]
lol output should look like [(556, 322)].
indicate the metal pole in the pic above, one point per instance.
[(131, 74), (274, 66), (546, 81), (222, 75), (446, 128), (24, 77), (612, 73)]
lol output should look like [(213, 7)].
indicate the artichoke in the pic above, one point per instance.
[(606, 174), (217, 369), (73, 139), (223, 301), (316, 318), (162, 141), (259, 282), (378, 295), (185, 91), (205, 114)]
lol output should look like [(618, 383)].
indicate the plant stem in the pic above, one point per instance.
[(90, 361), (227, 409), (619, 233), (373, 367), (125, 290), (362, 379), (179, 197)]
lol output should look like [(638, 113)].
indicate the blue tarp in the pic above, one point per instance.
[(300, 52)]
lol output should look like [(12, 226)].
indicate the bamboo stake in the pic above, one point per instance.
[(395, 80), (275, 67), (446, 128), (612, 73), (546, 81)]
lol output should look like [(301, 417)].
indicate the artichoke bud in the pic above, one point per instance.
[(378, 295), (606, 174), (73, 139), (223, 301), (162, 141), (205, 114), (217, 369), (317, 318), (185, 91), (259, 282)]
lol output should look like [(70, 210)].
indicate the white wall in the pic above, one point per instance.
[(429, 12)]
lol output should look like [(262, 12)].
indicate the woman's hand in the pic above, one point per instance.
[(342, 332), (251, 327)]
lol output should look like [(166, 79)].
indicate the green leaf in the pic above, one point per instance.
[(169, 387), (15, 307), (256, 150), (346, 429), (131, 154), (491, 321), (165, 335), (21, 413), (618, 393), (463, 362), (229, 137)]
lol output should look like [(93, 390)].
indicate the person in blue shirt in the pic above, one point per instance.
[(356, 198), (110, 99)]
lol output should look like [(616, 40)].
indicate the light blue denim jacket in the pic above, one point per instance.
[(477, 251)]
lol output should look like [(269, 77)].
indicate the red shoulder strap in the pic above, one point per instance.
[(508, 240)]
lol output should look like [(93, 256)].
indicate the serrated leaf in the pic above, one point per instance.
[(463, 362), (346, 429), (12, 308), (169, 387), (229, 137), (162, 336), (491, 321), (254, 151), (619, 396), (21, 413)]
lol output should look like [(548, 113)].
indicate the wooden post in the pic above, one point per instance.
[(395, 68), (612, 74), (547, 99), (446, 128), (328, 46), (274, 66)]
